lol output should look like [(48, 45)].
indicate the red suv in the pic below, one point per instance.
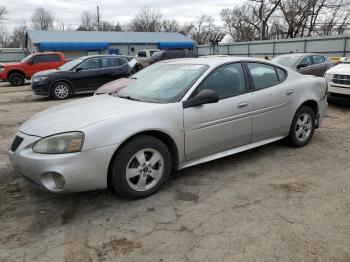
[(17, 72)]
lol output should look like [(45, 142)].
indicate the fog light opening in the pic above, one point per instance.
[(53, 181)]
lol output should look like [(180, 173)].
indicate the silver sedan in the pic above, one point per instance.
[(176, 114)]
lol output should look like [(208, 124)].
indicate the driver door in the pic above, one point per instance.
[(308, 69), (212, 128)]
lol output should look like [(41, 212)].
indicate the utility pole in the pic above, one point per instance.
[(98, 18), (262, 7)]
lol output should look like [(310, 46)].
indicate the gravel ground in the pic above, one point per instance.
[(274, 203)]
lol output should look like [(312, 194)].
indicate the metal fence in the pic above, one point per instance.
[(332, 46), (11, 54)]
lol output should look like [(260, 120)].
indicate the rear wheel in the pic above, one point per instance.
[(60, 91), (16, 79), (303, 127), (141, 167)]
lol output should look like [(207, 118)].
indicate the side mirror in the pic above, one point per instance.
[(301, 66), (205, 96), (78, 69), (30, 62)]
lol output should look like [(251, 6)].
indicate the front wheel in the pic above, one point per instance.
[(16, 79), (141, 167), (303, 127), (60, 91)]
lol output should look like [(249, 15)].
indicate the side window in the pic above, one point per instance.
[(40, 59), (90, 64), (282, 75), (227, 81), (263, 75), (142, 54), (53, 58), (306, 61), (318, 59), (120, 61)]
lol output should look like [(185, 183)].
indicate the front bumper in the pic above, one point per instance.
[(41, 88), (83, 171)]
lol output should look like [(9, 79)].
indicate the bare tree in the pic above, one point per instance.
[(42, 19), (88, 21), (202, 28), (170, 25), (18, 36), (146, 20), (3, 12)]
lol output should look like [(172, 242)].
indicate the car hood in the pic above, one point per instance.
[(47, 72), (114, 86), (78, 114), (341, 69)]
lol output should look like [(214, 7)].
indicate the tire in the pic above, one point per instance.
[(303, 127), (61, 91), (132, 174), (16, 79)]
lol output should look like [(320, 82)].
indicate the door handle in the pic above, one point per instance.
[(289, 92), (242, 104)]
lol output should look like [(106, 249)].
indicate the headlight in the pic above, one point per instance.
[(2, 69), (37, 79), (59, 144), (328, 77)]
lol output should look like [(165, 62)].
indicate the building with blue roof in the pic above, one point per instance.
[(78, 43)]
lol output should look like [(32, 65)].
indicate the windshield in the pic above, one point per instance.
[(70, 65), (162, 83), (288, 61), (26, 58)]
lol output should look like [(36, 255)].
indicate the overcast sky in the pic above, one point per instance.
[(121, 11)]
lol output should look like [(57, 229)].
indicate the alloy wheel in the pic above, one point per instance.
[(145, 169), (303, 127), (61, 91)]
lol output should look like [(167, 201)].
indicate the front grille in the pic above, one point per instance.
[(341, 79), (16, 142)]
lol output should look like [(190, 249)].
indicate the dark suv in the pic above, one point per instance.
[(165, 55), (83, 74)]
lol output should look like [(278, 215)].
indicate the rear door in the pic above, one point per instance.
[(321, 65), (112, 69), (212, 128), (271, 98), (54, 61)]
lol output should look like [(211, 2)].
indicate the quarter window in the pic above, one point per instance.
[(53, 58), (263, 75), (226, 81), (40, 59)]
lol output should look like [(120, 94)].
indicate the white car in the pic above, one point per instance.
[(338, 78)]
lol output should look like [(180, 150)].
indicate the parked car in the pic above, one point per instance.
[(114, 86), (173, 54), (144, 57), (344, 60), (338, 78), (305, 63), (84, 74), (117, 85), (16, 73), (181, 113)]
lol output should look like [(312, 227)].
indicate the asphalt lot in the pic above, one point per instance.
[(274, 203)]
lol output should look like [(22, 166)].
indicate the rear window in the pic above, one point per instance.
[(142, 54)]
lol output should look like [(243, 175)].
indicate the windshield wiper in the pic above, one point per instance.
[(129, 98)]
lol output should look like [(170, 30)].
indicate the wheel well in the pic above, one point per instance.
[(312, 104), (67, 82), (15, 71), (166, 139)]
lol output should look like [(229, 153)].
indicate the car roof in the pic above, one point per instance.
[(212, 61), (299, 54)]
